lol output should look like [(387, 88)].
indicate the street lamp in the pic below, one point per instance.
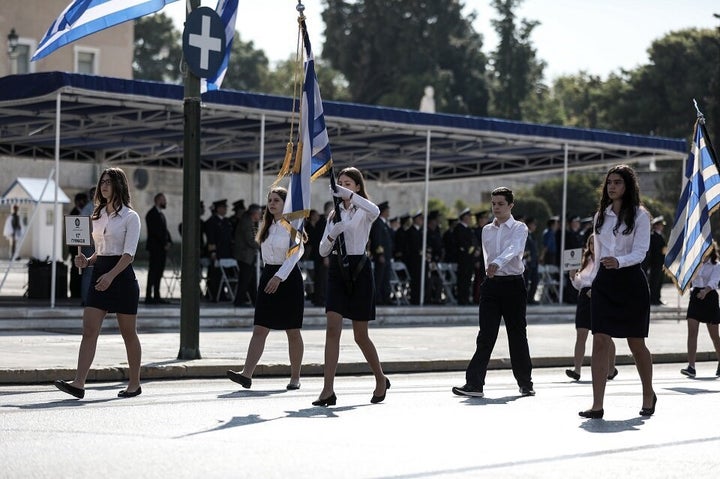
[(12, 42)]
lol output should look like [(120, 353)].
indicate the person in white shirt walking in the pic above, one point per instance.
[(502, 296), (704, 308), (280, 300), (620, 292), (114, 287), (351, 289)]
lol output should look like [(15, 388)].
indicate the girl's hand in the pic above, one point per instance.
[(272, 285), (81, 261), (610, 262), (104, 282)]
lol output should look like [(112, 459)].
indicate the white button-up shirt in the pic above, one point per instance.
[(708, 275), (360, 217), (584, 277), (628, 249), (275, 247), (116, 234), (504, 245)]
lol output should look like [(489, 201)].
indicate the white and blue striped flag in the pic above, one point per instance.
[(313, 158), (691, 237), (84, 17), (227, 10)]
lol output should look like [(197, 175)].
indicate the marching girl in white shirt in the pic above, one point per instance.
[(351, 290), (620, 293), (582, 281), (280, 298), (116, 231), (704, 308)]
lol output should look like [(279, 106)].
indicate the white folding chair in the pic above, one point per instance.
[(171, 277), (449, 280), (229, 275), (399, 282), (549, 283)]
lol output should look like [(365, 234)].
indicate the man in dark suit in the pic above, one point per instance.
[(656, 260), (414, 255), (381, 249), (481, 219), (466, 243), (158, 243), (219, 232), (81, 199), (246, 248)]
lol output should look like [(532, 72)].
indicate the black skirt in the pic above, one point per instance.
[(355, 300), (621, 302), (583, 312), (704, 310), (123, 294), (284, 308)]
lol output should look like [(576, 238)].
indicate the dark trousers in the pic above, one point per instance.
[(415, 271), (502, 298), (655, 281), (382, 281), (464, 279), (320, 282), (531, 282), (156, 269), (246, 287)]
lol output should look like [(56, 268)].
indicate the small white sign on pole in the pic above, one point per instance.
[(572, 258), (77, 230)]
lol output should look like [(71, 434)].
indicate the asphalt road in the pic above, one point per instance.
[(211, 428)]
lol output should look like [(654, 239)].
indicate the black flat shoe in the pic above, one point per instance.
[(590, 414), (328, 401), (649, 411), (69, 388), (239, 378), (376, 399), (127, 394), (612, 375), (293, 386), (572, 374)]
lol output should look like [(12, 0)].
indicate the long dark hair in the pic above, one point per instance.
[(713, 255), (630, 200), (587, 254), (267, 216), (120, 192), (355, 175)]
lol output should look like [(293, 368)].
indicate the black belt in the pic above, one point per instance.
[(506, 278)]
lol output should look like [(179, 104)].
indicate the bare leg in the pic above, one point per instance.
[(713, 331), (611, 356), (127, 324), (92, 322), (693, 327), (599, 368), (255, 350), (332, 352), (295, 350), (362, 339), (581, 335), (643, 363)]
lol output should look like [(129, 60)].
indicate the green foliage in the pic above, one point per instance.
[(389, 50), (158, 49), (288, 74), (517, 71), (529, 206), (583, 193)]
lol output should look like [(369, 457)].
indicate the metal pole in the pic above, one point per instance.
[(425, 213), (563, 224), (53, 267), (190, 294)]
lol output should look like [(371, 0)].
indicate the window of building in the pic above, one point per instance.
[(23, 53), (86, 60)]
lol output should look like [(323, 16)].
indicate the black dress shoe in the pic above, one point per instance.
[(293, 386), (572, 374), (127, 394), (331, 400), (649, 411), (376, 399), (590, 414), (612, 375), (243, 381), (69, 388)]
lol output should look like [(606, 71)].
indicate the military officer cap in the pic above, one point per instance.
[(239, 205), (464, 212), (383, 206), (220, 203), (658, 219)]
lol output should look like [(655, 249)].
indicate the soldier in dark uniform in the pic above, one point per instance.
[(466, 245), (414, 255), (656, 260), (381, 250), (400, 243), (481, 219), (219, 232), (434, 255), (448, 239), (572, 241), (238, 210)]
